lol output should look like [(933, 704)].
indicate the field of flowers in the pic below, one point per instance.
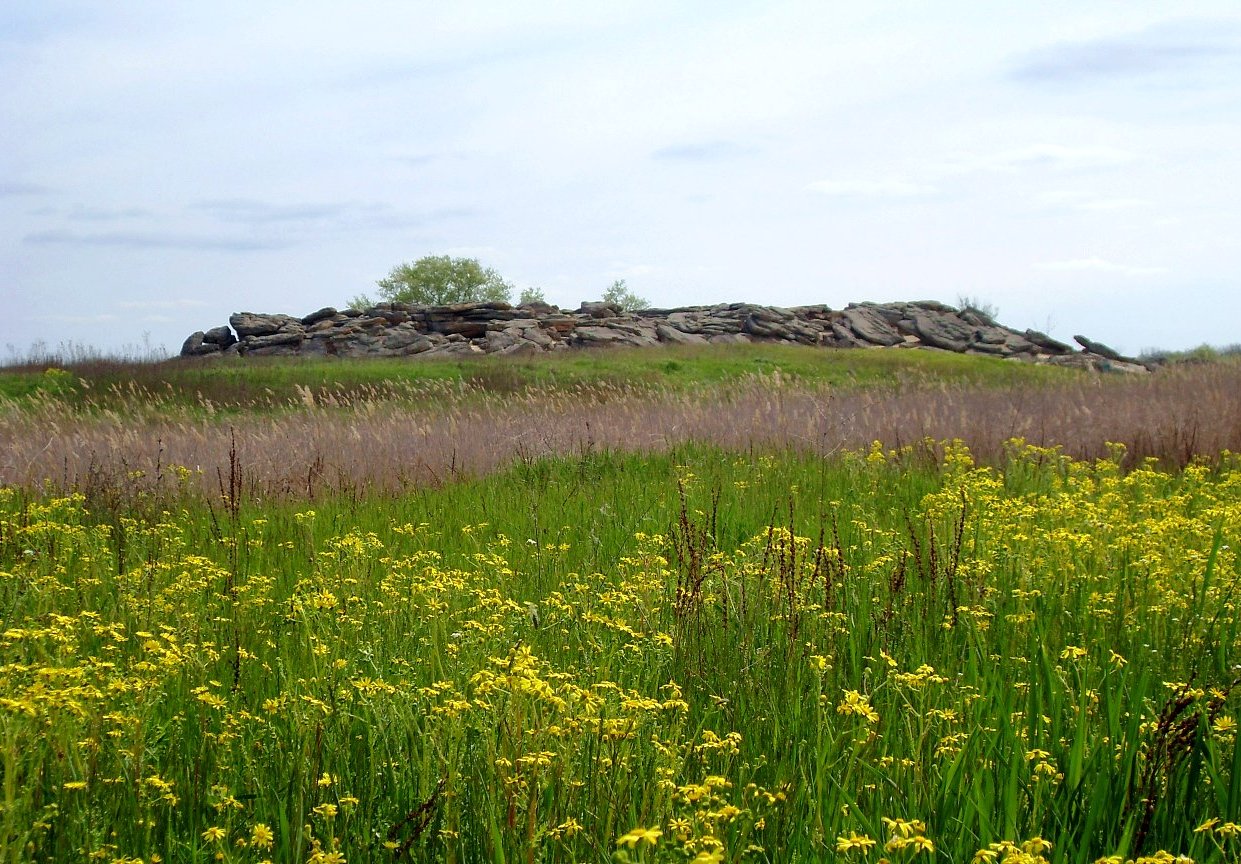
[(688, 657)]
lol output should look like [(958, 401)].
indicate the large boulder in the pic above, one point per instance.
[(253, 324), (251, 344), (869, 325), (673, 336), (324, 314), (221, 336), (196, 346), (1046, 343), (599, 309), (942, 331), (400, 338), (1099, 348), (591, 335)]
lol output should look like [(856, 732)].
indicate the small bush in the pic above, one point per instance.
[(620, 294)]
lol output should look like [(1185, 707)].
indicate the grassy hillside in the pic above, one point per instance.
[(236, 383)]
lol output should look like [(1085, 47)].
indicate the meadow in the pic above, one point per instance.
[(970, 612)]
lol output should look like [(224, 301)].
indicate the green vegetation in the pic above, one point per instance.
[(700, 657), (262, 382), (494, 610), (437, 280), (1200, 355), (979, 307), (531, 295), (618, 292)]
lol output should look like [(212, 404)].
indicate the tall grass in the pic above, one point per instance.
[(233, 384), (386, 437), (697, 656)]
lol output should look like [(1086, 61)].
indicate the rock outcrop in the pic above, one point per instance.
[(401, 330)]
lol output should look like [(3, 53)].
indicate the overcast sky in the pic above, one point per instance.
[(1075, 164)]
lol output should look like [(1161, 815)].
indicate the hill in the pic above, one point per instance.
[(466, 329)]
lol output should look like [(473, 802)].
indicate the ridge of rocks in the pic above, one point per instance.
[(466, 329)]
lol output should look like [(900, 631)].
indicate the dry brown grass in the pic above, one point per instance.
[(369, 444)]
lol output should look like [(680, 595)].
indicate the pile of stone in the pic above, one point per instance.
[(402, 330)]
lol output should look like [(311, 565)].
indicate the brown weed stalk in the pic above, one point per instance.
[(367, 441)]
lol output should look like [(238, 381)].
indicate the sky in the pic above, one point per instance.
[(1075, 165)]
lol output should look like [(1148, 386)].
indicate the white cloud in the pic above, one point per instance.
[(890, 187), (149, 240), (9, 189), (1098, 265), (1107, 204), (1055, 157), (182, 303), (101, 318), (482, 252), (1168, 50), (1072, 199), (638, 270)]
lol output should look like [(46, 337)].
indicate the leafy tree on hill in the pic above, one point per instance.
[(438, 280), (532, 295), (620, 294)]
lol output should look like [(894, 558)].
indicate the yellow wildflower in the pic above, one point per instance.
[(261, 836), (853, 841), (637, 835)]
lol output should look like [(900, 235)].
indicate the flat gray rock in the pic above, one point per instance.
[(1099, 348), (943, 331), (674, 336), (257, 343), (869, 326), (251, 324)]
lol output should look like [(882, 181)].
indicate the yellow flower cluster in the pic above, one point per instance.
[(316, 686)]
